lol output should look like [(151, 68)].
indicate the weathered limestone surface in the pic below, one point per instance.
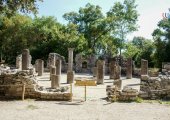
[(55, 81), (100, 71), (129, 68), (155, 88), (52, 70), (127, 94), (70, 77), (19, 62), (70, 72), (58, 73), (118, 84), (144, 67), (112, 66), (58, 67), (25, 59), (117, 71), (40, 67), (14, 85), (70, 59)]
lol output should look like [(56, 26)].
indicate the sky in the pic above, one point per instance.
[(150, 12)]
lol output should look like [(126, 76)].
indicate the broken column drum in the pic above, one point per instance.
[(70, 72), (111, 65), (144, 67), (19, 62), (117, 71), (40, 67), (100, 71), (129, 68), (25, 59)]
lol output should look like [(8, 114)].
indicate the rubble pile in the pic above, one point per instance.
[(127, 94)]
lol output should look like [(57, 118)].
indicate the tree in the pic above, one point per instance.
[(125, 17), (91, 23), (12, 36), (161, 37), (130, 50), (144, 50), (9, 7)]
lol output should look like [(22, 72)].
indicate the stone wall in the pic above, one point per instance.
[(155, 88), (127, 94), (11, 86)]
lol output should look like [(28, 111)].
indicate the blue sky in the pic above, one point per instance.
[(150, 11)]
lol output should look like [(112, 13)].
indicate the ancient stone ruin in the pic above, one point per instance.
[(16, 82)]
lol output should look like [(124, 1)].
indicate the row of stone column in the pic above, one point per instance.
[(115, 70), (55, 69)]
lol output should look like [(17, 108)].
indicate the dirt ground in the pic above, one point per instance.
[(95, 108)]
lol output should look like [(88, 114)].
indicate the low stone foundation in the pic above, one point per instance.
[(11, 86), (127, 94), (156, 88)]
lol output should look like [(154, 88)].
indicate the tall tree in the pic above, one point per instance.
[(125, 20), (161, 37), (91, 23), (9, 7)]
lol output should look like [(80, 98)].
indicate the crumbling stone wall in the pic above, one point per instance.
[(157, 88), (115, 94), (11, 86)]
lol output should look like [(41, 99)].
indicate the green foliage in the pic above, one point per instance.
[(124, 17), (130, 50), (88, 30), (138, 100), (145, 49), (91, 24), (9, 7), (162, 42), (12, 36)]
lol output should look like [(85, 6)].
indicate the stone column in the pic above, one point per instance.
[(129, 68), (52, 58), (70, 72), (100, 71), (19, 62), (25, 59), (58, 72), (112, 66), (117, 72), (53, 76), (54, 81), (36, 65), (144, 67), (30, 59), (52, 70), (70, 59), (40, 67), (144, 70)]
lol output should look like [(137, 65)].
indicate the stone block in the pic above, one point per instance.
[(144, 77), (70, 77)]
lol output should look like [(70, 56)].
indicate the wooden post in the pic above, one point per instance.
[(85, 92), (71, 92), (23, 91)]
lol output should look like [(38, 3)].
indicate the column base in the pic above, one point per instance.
[(70, 77)]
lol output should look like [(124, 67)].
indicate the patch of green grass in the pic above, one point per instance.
[(164, 102), (138, 100), (32, 107)]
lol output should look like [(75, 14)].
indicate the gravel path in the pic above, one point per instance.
[(90, 110)]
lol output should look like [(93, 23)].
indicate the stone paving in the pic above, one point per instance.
[(93, 92)]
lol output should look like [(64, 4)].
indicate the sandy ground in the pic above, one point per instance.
[(95, 108)]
